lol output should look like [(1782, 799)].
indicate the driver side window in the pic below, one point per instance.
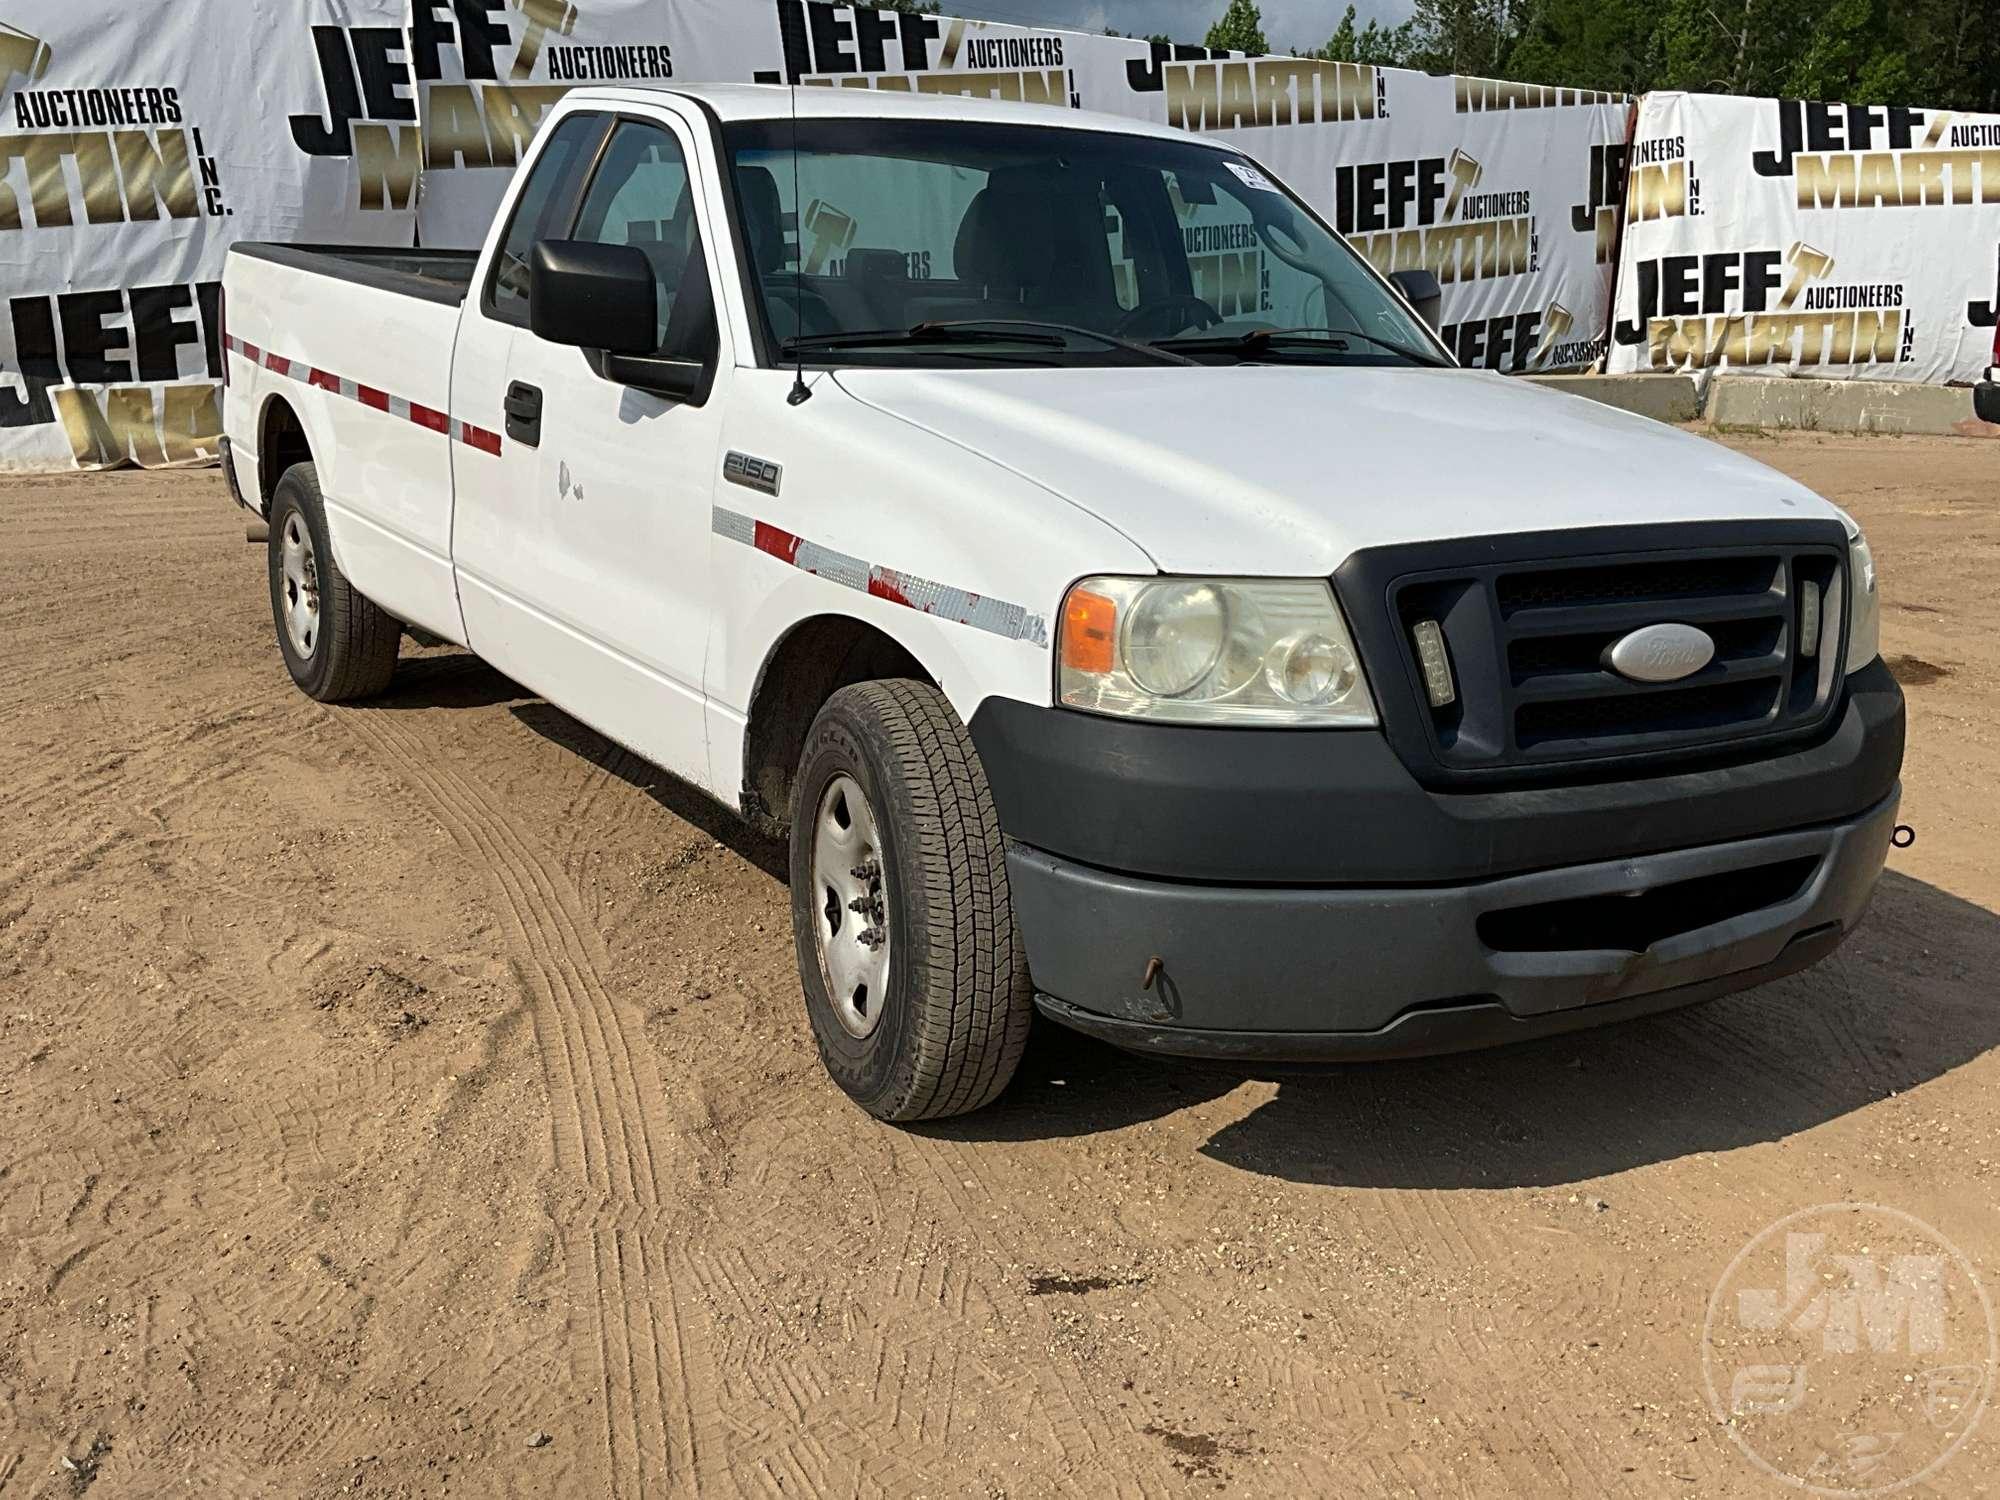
[(641, 196), (538, 214)]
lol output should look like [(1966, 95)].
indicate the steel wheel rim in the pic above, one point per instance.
[(300, 568), (851, 906)]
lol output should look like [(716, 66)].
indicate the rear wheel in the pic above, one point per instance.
[(337, 645), (915, 979)]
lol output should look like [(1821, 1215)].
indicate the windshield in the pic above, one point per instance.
[(928, 242)]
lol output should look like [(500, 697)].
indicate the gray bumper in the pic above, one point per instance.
[(1326, 973)]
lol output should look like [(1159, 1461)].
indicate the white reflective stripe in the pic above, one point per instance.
[(944, 602)]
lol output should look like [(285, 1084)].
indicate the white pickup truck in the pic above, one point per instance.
[(1101, 572)]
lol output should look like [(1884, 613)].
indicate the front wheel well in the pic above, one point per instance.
[(818, 658), (281, 442)]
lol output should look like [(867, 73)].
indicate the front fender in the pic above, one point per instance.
[(960, 561)]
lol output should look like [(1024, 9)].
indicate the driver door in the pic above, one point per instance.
[(589, 579)]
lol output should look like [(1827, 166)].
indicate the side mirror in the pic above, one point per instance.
[(593, 297), (687, 381), (1424, 294), (603, 299)]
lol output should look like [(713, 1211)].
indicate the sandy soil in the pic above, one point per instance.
[(417, 1099)]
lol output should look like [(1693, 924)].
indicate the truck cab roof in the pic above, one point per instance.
[(732, 102)]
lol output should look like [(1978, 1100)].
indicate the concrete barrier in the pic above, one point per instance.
[(1762, 404), (1664, 398)]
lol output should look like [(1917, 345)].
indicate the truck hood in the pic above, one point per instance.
[(1259, 469)]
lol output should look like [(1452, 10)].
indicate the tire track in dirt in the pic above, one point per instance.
[(614, 1132)]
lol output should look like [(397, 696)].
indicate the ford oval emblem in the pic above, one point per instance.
[(1661, 653)]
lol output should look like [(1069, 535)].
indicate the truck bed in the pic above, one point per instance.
[(435, 275), (353, 347)]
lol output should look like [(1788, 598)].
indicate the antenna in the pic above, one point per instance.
[(800, 392)]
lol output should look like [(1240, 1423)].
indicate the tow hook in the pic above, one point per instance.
[(1166, 1003), (1904, 836)]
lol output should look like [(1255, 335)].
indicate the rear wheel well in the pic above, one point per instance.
[(281, 442), (816, 660)]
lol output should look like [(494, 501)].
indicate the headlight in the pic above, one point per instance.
[(1211, 651), (1864, 615)]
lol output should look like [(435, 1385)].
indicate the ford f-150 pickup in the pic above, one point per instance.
[(1101, 574)]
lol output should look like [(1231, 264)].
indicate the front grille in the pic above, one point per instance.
[(1682, 578), (1528, 624), (1712, 705)]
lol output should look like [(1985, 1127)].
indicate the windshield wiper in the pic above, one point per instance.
[(1277, 338), (1031, 331)]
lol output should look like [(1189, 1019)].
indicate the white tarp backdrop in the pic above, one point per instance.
[(376, 121), (1821, 239), (135, 146)]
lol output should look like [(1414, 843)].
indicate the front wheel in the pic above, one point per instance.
[(337, 644), (915, 978)]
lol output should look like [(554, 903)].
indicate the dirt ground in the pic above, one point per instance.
[(418, 1099)]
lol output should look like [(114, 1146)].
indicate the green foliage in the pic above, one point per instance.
[(1240, 29), (1375, 44), (1944, 54)]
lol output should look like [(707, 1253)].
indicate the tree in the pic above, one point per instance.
[(914, 7), (1589, 44), (1462, 36), (1240, 29), (1942, 54), (1375, 44)]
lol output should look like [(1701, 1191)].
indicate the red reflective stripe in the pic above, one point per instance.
[(881, 588), (780, 544), (1011, 621), (376, 400), (484, 441)]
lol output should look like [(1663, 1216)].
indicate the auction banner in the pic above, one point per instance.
[(1831, 240), (485, 75), (1507, 192), (136, 145), (853, 46), (486, 71)]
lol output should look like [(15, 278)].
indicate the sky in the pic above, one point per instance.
[(1287, 23)]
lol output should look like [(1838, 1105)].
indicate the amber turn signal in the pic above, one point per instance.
[(1089, 631)]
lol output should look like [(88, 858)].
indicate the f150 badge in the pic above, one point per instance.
[(1661, 653), (752, 473)]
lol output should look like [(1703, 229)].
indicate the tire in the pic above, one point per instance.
[(948, 1028), (349, 650)]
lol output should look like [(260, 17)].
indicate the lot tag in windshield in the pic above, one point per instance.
[(1251, 177)]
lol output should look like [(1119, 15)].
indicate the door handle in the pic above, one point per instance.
[(524, 413)]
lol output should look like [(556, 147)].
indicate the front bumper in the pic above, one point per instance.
[(1986, 397), (1306, 898), (1306, 975)]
